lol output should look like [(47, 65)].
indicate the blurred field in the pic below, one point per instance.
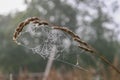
[(63, 74), (93, 20)]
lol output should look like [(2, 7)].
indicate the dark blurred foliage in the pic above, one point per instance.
[(59, 12)]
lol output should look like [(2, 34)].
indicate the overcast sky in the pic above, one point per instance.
[(11, 6), (7, 6)]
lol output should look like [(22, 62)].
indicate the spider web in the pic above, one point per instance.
[(42, 38)]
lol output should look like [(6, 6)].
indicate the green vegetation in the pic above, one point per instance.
[(59, 12)]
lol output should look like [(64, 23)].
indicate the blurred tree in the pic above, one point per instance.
[(82, 16), (96, 26), (56, 11), (15, 56)]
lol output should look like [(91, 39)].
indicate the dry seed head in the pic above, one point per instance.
[(85, 46), (22, 25)]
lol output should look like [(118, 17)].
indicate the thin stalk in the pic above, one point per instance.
[(49, 63), (81, 44)]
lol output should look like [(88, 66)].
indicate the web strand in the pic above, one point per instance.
[(46, 35)]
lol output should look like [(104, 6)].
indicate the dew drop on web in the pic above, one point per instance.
[(42, 38)]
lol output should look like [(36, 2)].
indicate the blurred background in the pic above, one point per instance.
[(95, 21)]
